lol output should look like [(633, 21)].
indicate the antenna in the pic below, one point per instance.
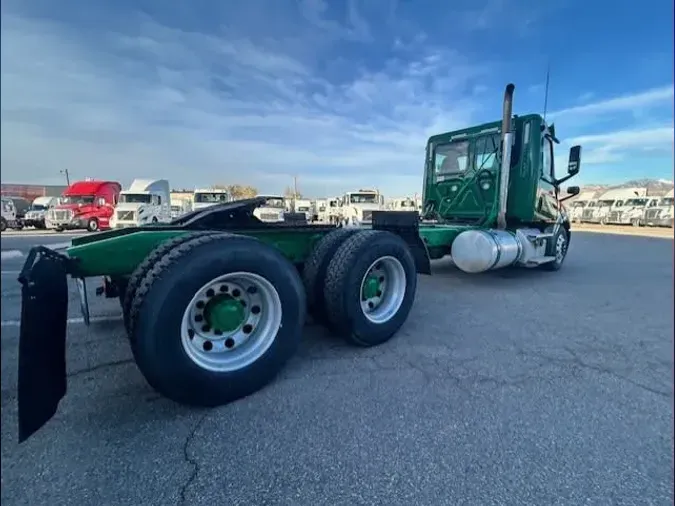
[(548, 75)]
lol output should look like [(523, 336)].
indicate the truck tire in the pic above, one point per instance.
[(3, 224), (174, 339), (557, 248), (92, 225), (314, 271), (370, 287), (144, 267)]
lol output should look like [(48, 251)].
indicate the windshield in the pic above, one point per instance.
[(175, 208), (135, 198), (210, 198), (451, 158), (303, 208), (363, 198), (38, 207), (667, 201), (333, 203), (7, 204), (77, 199), (579, 204), (636, 202), (275, 202), (602, 203)]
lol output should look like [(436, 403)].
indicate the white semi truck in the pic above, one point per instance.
[(303, 206), (180, 206), (37, 212), (273, 210), (599, 211), (146, 201), (662, 214), (576, 208), (210, 197), (358, 206), (9, 218)]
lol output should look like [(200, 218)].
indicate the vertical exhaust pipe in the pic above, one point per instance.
[(507, 143)]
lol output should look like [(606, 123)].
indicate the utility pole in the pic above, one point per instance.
[(295, 191), (65, 171)]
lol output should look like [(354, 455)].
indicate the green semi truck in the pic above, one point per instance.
[(214, 302)]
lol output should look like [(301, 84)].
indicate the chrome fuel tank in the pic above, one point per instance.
[(476, 251)]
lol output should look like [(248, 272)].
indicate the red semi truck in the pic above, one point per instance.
[(85, 205)]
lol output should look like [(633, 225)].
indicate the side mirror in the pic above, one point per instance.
[(574, 162), (100, 202), (571, 192)]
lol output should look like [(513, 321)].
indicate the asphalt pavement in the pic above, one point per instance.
[(514, 387)]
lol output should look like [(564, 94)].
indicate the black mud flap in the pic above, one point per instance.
[(42, 339)]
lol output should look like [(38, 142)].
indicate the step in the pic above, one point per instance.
[(541, 260)]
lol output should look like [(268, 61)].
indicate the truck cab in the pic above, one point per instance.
[(204, 198), (36, 214), (469, 180), (87, 204), (146, 201), (576, 208), (9, 216), (303, 206), (404, 204), (661, 214), (358, 206), (273, 210), (179, 207)]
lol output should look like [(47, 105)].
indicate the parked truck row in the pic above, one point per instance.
[(623, 206), (95, 205)]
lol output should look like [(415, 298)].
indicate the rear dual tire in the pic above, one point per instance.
[(191, 365), (341, 269)]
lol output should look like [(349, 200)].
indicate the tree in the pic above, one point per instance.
[(238, 191)]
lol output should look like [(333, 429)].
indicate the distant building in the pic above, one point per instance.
[(31, 191)]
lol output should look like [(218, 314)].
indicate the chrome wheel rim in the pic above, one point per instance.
[(560, 246), (383, 289), (247, 306)]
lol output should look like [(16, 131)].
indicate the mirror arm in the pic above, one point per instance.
[(566, 198), (560, 181)]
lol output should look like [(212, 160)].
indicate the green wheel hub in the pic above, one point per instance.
[(225, 313), (371, 287)]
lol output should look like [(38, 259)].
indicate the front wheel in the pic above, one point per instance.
[(216, 318), (557, 248), (3, 224), (92, 225)]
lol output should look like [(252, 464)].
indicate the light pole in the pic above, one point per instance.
[(65, 171)]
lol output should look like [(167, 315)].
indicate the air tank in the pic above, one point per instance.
[(475, 251)]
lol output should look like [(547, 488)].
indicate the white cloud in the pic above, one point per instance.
[(612, 147), (655, 97), (202, 109)]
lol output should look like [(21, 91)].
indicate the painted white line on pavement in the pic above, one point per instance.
[(9, 254), (93, 319)]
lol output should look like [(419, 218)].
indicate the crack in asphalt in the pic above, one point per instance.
[(191, 460), (100, 366)]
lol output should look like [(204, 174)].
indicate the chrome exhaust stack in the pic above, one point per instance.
[(507, 144)]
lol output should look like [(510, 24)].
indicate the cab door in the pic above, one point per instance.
[(547, 206)]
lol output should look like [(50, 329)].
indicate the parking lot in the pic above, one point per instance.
[(514, 387)]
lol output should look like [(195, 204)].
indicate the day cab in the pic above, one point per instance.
[(86, 205), (146, 201)]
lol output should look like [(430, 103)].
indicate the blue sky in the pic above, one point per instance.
[(341, 93)]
